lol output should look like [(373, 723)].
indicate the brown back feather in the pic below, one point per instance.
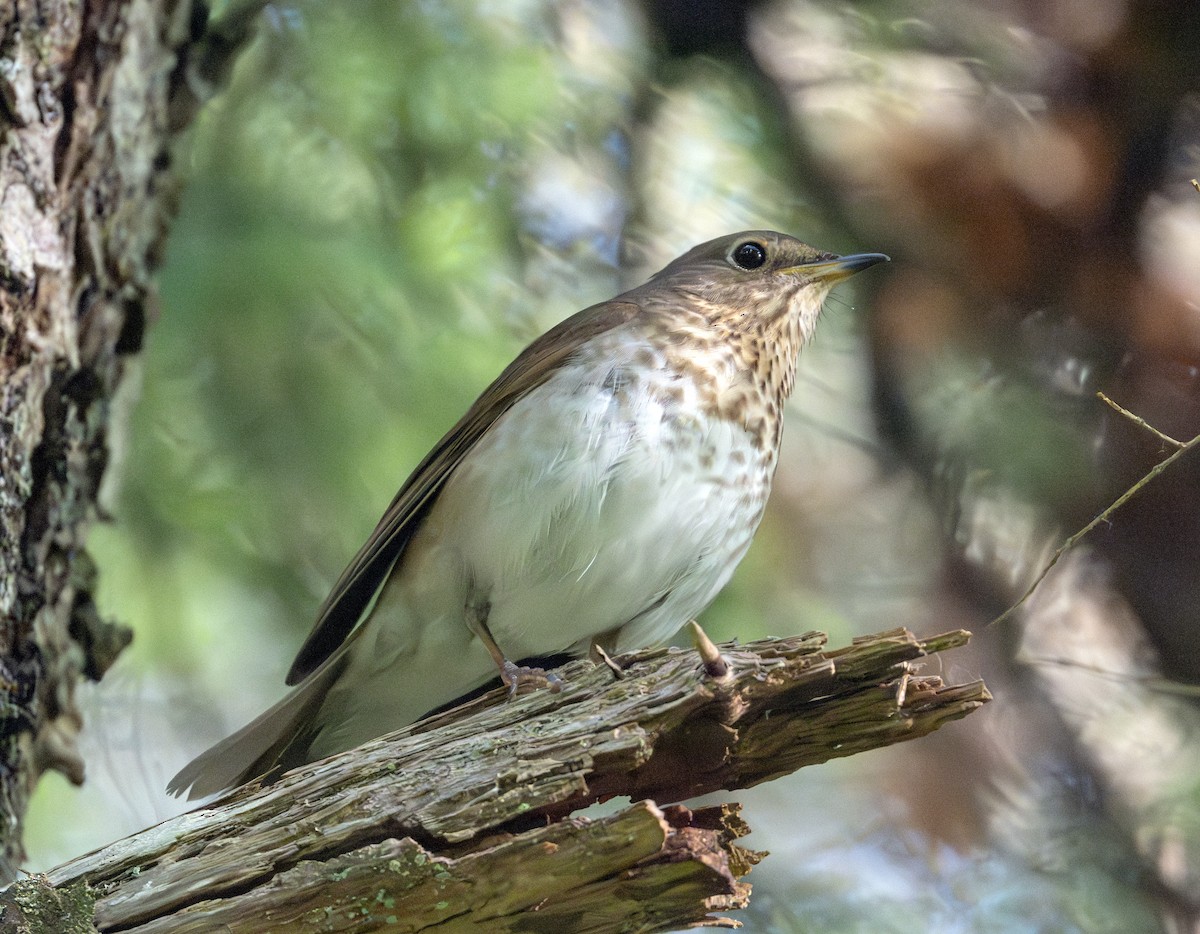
[(355, 589)]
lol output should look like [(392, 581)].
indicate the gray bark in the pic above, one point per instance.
[(469, 821), (91, 96)]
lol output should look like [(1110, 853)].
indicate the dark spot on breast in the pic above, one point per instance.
[(615, 380)]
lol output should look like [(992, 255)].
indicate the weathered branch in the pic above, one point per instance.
[(462, 822)]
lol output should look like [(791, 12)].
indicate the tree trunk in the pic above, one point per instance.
[(466, 821), (91, 94)]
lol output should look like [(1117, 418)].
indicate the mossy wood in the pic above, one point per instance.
[(468, 821)]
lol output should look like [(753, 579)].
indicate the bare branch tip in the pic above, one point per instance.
[(1141, 422), (715, 665), (601, 657)]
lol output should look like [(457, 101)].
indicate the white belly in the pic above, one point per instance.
[(592, 505)]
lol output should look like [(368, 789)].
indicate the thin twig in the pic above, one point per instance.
[(1139, 421), (1180, 450), (1149, 681)]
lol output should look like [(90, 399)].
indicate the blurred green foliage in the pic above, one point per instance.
[(386, 204), (335, 292), (360, 249)]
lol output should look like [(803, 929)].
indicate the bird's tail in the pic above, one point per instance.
[(277, 738)]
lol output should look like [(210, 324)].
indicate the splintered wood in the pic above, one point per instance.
[(467, 820)]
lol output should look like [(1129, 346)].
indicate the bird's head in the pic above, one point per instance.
[(757, 279)]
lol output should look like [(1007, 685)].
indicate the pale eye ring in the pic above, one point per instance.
[(749, 255)]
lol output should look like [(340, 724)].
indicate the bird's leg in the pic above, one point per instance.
[(519, 678)]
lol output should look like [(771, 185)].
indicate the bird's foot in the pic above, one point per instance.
[(523, 680)]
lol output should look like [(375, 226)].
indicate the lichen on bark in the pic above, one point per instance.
[(85, 191)]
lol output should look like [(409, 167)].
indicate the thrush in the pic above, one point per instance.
[(599, 493)]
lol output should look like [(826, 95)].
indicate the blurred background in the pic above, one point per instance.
[(392, 198)]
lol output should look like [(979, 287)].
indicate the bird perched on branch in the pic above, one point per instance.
[(600, 492)]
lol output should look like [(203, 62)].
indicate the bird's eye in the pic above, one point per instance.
[(749, 255)]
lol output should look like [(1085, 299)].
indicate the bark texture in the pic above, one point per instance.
[(467, 821), (86, 92)]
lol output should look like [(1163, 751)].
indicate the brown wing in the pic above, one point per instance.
[(354, 590)]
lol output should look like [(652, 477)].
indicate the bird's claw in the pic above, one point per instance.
[(523, 680)]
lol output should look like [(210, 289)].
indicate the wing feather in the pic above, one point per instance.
[(351, 596)]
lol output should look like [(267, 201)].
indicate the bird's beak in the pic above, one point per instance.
[(835, 270)]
